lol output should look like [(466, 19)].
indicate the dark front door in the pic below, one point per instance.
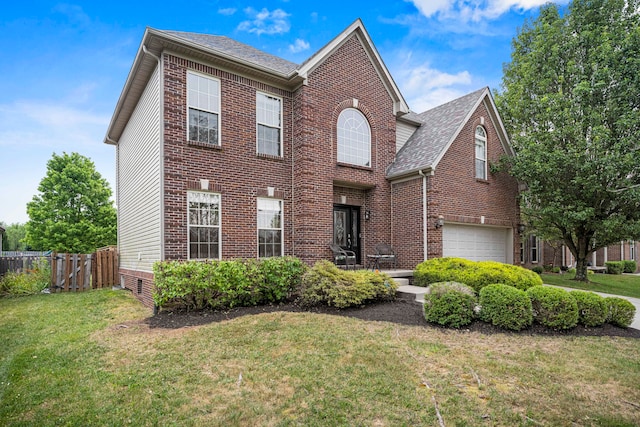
[(346, 228)]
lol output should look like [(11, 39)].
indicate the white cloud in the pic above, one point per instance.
[(475, 10), (227, 11), (299, 46), (265, 22)]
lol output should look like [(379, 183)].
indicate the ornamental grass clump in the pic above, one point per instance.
[(592, 308), (620, 311), (450, 304), (506, 307), (553, 307)]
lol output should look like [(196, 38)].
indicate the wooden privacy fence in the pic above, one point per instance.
[(19, 263), (81, 272)]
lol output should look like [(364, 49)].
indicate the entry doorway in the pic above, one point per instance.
[(346, 228)]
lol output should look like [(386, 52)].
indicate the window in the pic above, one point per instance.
[(204, 225), (269, 228), (269, 119), (534, 249), (632, 249), (521, 251), (354, 138), (203, 98), (481, 153)]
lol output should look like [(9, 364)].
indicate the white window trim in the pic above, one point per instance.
[(537, 247), (475, 139), (280, 154), (632, 250), (219, 226), (368, 165), (258, 226), (219, 144)]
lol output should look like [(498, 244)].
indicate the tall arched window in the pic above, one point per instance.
[(481, 153), (354, 138)]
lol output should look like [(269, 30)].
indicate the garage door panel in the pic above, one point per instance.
[(475, 243)]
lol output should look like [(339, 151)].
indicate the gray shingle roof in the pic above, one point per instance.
[(237, 50), (439, 126)]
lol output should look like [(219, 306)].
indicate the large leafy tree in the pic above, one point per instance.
[(13, 237), (73, 212), (570, 100)]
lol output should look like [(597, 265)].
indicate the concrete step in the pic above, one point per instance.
[(410, 292)]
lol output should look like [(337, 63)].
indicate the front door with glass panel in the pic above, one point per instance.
[(346, 228)]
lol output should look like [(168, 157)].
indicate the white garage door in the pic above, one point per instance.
[(476, 243)]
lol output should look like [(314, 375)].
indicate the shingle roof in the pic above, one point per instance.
[(237, 50), (439, 126)]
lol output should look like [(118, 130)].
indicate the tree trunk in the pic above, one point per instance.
[(581, 269)]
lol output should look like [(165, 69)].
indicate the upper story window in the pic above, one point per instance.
[(354, 138), (204, 225), (481, 153), (269, 119), (203, 99)]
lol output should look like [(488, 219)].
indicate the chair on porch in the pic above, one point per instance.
[(387, 254), (342, 256)]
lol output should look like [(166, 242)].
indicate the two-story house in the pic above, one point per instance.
[(225, 151)]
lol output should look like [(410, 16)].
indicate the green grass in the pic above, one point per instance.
[(92, 359), (616, 284)]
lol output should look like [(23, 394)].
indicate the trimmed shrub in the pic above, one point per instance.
[(449, 304), (537, 269), (630, 266), (473, 274), (614, 267), (505, 306), (553, 307), (592, 308), (197, 285), (620, 311), (325, 283)]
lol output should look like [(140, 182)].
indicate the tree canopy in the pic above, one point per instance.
[(73, 212), (13, 237), (570, 100)]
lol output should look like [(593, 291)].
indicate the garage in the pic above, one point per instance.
[(477, 243)]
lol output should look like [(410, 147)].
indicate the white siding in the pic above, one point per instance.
[(139, 186), (403, 133)]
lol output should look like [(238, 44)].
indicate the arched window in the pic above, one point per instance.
[(354, 138), (481, 153)]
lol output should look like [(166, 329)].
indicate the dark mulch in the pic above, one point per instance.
[(400, 311)]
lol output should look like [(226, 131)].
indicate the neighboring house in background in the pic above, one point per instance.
[(224, 151), (1, 236)]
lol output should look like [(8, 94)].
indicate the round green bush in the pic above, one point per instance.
[(537, 269), (592, 308), (620, 311), (449, 304), (475, 274), (505, 306), (553, 307)]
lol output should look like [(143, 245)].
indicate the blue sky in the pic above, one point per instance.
[(64, 64)]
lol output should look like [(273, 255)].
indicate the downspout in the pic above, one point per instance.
[(161, 153), (293, 180), (424, 215)]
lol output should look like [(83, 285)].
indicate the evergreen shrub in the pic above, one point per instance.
[(505, 306), (450, 304)]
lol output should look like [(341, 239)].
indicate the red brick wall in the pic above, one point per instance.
[(130, 278), (460, 197), (407, 222)]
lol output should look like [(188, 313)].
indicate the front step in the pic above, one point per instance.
[(410, 292)]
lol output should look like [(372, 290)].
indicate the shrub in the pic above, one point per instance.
[(553, 307), (474, 274), (325, 283), (449, 304), (630, 266), (28, 282), (537, 269), (225, 284), (592, 308), (556, 270), (506, 307), (620, 311), (614, 267)]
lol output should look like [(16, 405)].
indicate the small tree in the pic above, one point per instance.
[(571, 103), (73, 212)]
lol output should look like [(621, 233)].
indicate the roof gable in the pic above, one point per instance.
[(440, 127)]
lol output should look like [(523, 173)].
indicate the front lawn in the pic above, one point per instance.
[(94, 359), (616, 284)]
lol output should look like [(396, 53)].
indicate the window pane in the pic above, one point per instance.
[(354, 138), (269, 227)]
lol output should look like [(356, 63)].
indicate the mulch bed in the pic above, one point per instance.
[(399, 311)]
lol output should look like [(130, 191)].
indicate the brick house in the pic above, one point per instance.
[(224, 151)]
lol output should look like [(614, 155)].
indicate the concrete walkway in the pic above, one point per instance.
[(417, 293)]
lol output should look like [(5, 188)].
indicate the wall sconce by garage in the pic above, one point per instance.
[(439, 222), (367, 215), (521, 228)]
